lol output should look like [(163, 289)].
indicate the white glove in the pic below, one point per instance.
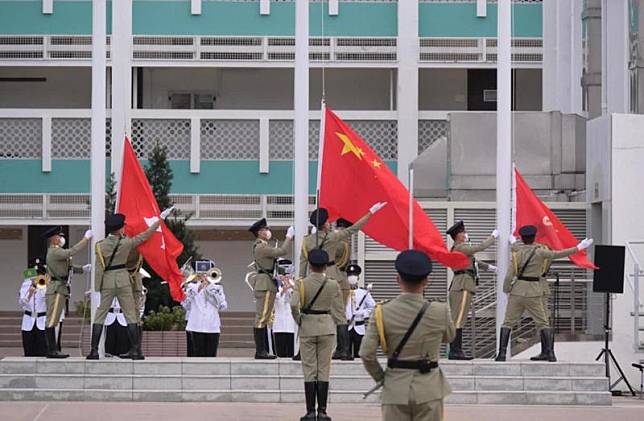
[(313, 230), (495, 233), (491, 268), (88, 234), (87, 268), (167, 212), (584, 244), (290, 232), (375, 208), (512, 239)]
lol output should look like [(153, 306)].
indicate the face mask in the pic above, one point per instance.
[(269, 235), (353, 280), (61, 242), (467, 237)]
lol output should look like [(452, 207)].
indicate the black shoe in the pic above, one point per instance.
[(503, 344), (261, 353), (297, 357), (135, 350), (96, 338), (309, 393), (52, 346), (543, 356), (456, 348), (323, 393)]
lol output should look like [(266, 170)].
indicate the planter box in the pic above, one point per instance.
[(164, 343)]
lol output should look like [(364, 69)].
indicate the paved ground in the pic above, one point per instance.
[(623, 410)]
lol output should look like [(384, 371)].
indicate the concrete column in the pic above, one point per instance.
[(407, 86), (639, 65), (591, 81), (617, 76), (549, 72)]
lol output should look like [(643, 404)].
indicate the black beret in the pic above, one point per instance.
[(258, 226), (57, 230), (413, 263), (528, 231), (114, 222), (318, 257), (319, 217), (353, 269), (343, 223), (456, 228)]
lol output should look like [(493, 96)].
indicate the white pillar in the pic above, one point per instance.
[(407, 97), (549, 72), (503, 154), (301, 125), (121, 49), (617, 56), (97, 174)]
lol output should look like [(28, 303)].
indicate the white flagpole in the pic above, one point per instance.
[(321, 143), (301, 126), (97, 163), (411, 206), (503, 154)]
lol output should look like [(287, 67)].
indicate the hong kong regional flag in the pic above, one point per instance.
[(550, 231), (138, 204), (353, 178)]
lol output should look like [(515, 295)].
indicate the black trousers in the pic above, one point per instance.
[(205, 344), (189, 345), (34, 342), (354, 343), (116, 340), (283, 344)]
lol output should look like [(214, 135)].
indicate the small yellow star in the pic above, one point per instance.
[(349, 147), (376, 163)]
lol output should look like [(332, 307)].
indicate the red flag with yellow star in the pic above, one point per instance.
[(353, 178)]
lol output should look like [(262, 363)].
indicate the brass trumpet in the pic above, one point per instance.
[(40, 281), (214, 276)]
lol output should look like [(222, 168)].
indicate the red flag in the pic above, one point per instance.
[(138, 204), (550, 231), (353, 178)]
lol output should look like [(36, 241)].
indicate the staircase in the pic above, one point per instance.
[(634, 277), (247, 380)]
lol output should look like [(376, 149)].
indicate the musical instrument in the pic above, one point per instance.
[(214, 276), (40, 281)]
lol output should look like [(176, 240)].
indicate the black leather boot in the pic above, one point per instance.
[(544, 347), (135, 351), (550, 342), (309, 393), (456, 348), (346, 344), (261, 353), (323, 393), (96, 338), (52, 346), (339, 347), (503, 344)]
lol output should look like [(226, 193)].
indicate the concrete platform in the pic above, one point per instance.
[(248, 380)]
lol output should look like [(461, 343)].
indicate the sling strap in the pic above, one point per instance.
[(423, 365), (307, 309)]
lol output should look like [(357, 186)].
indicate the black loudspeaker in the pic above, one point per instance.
[(610, 275)]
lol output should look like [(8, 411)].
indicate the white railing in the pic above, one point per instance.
[(637, 273), (525, 51)]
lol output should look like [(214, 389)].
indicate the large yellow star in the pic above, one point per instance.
[(349, 146)]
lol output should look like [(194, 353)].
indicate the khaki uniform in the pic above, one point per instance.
[(463, 285), (317, 331), (528, 295), (133, 264), (58, 266), (342, 260), (329, 241), (265, 288), (117, 282), (409, 394)]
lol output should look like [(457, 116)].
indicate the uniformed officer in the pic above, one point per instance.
[(522, 283), (316, 306), (358, 309), (32, 302), (464, 283), (265, 256), (410, 331), (342, 260), (59, 263), (113, 280)]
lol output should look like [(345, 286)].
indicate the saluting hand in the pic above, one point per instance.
[(290, 233), (167, 212), (375, 208)]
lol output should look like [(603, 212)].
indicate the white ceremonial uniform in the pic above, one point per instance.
[(283, 321), (205, 306), (34, 306), (115, 314), (361, 312)]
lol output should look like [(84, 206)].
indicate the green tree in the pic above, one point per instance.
[(110, 195)]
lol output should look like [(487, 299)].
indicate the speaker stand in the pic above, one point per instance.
[(608, 354)]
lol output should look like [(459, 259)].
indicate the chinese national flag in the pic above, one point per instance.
[(550, 231), (353, 178), (138, 204)]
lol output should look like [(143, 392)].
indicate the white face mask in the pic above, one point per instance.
[(268, 235), (61, 242), (467, 237), (353, 280)]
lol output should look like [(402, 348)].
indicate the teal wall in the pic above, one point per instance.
[(222, 177), (172, 17)]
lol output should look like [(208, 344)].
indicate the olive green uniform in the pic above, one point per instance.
[(342, 260), (317, 331), (117, 282), (265, 287), (463, 286), (134, 262), (408, 394), (527, 295), (329, 241), (58, 266)]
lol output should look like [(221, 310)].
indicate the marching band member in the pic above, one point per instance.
[(207, 299), (32, 301), (359, 308), (116, 339), (283, 323), (186, 307)]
